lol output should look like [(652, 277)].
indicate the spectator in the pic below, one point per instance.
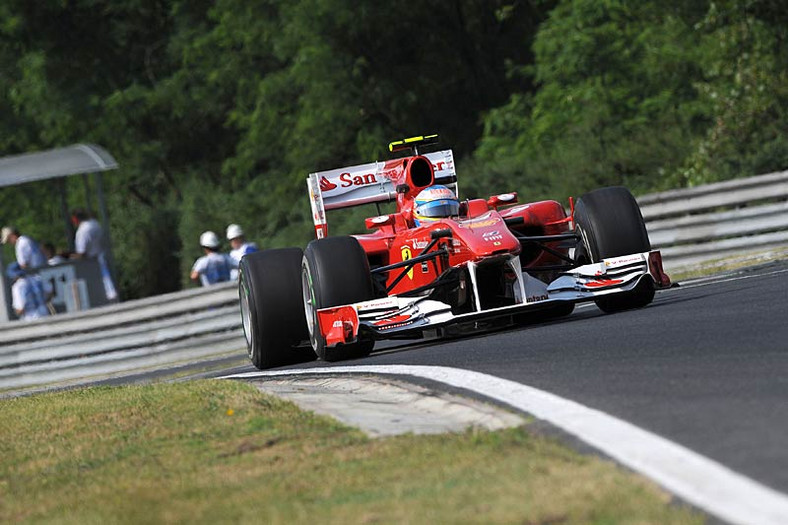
[(89, 244), (53, 258), (213, 267), (29, 294), (239, 246), (28, 254)]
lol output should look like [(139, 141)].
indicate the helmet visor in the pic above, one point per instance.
[(438, 209)]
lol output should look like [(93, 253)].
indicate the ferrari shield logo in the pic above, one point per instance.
[(406, 255)]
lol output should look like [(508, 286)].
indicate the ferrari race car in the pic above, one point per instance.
[(426, 270)]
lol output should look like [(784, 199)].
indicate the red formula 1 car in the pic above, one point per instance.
[(419, 273)]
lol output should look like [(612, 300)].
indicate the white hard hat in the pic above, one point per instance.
[(234, 231), (209, 240)]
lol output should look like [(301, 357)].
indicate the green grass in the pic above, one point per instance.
[(725, 264), (221, 451)]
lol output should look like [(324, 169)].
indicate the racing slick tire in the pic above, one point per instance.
[(269, 284), (334, 272), (610, 225)]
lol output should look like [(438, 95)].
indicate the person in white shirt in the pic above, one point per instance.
[(29, 293), (28, 253), (239, 246), (89, 244), (213, 267)]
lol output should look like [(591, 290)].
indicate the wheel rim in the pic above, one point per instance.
[(308, 296), (246, 315)]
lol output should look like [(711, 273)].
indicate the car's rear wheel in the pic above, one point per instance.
[(610, 225), (334, 272), (269, 284)]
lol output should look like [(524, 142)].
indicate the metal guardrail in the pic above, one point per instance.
[(165, 330), (713, 221), (687, 225)]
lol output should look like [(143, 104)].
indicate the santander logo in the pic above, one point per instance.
[(346, 180), (326, 185)]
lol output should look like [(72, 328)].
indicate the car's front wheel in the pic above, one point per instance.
[(610, 225), (334, 272), (269, 284)]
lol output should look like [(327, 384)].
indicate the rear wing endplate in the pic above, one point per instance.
[(365, 184)]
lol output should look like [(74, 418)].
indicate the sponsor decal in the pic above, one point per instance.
[(434, 193), (407, 255), (494, 235), (536, 298), (378, 304), (326, 185), (439, 166), (481, 222), (624, 260), (347, 180), (419, 245)]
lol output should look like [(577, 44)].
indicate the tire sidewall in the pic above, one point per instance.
[(610, 224), (336, 271), (273, 322), (308, 279)]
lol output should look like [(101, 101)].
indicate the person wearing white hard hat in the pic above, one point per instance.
[(213, 267), (239, 245)]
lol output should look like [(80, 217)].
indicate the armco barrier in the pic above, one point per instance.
[(713, 221), (169, 329), (687, 225)]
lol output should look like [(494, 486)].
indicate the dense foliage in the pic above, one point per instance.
[(217, 110)]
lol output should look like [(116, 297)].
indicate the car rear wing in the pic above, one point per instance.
[(365, 184)]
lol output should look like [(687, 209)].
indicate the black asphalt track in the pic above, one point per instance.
[(706, 366)]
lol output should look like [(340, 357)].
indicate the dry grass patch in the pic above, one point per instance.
[(221, 451)]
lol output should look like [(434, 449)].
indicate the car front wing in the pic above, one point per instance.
[(398, 317)]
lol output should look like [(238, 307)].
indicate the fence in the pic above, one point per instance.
[(699, 224), (687, 225), (149, 333)]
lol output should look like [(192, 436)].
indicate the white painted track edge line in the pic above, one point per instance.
[(700, 481)]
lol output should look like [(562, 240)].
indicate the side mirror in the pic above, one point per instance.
[(502, 200), (376, 222)]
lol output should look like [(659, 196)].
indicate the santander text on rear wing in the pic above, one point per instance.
[(364, 184)]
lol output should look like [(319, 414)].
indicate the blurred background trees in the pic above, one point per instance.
[(218, 110)]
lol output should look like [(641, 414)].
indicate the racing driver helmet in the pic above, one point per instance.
[(435, 203)]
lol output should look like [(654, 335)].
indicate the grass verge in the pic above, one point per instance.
[(221, 451), (727, 264)]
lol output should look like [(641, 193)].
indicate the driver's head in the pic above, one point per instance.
[(434, 203)]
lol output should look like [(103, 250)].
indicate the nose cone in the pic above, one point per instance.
[(487, 235)]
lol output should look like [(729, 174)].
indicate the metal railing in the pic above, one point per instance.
[(704, 223), (687, 225), (166, 330)]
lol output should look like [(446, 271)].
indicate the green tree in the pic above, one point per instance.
[(615, 102), (744, 87)]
